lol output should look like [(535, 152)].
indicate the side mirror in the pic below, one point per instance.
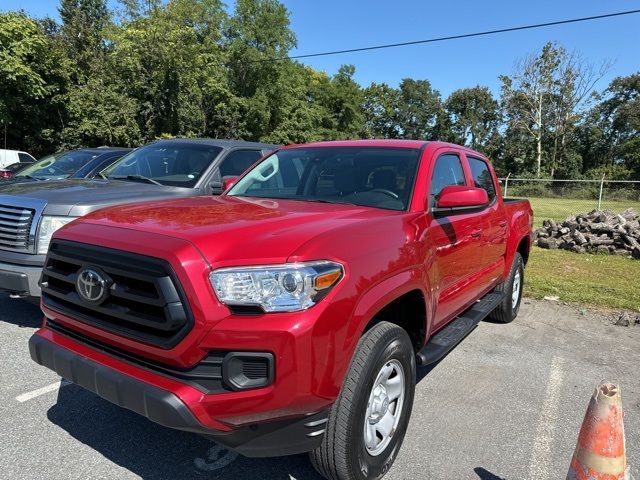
[(460, 199), (228, 182), (216, 188)]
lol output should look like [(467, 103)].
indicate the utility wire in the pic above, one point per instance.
[(451, 37)]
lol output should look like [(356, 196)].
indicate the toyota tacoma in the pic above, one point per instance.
[(289, 314)]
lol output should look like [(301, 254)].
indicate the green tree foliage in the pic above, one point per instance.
[(33, 81), (474, 115), (83, 23), (195, 68)]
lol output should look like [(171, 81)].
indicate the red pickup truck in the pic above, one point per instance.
[(289, 314)]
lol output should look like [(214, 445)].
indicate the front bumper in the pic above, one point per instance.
[(20, 279), (277, 438)]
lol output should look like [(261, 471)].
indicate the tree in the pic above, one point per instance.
[(83, 23), (544, 100), (474, 116), (380, 102), (526, 96), (168, 58), (33, 80), (418, 109), (621, 114)]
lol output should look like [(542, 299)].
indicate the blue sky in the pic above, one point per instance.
[(333, 24)]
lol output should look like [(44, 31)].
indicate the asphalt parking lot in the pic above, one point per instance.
[(505, 404)]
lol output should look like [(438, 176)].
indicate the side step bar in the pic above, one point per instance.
[(447, 338)]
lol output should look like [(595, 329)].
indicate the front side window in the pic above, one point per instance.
[(174, 163), (482, 176), (238, 161), (365, 176), (447, 171)]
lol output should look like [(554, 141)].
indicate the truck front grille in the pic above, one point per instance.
[(143, 299), (15, 227)]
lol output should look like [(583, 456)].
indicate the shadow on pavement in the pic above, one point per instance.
[(484, 474), (155, 452), (22, 313)]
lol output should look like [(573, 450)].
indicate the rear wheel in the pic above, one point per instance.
[(508, 309), (368, 422)]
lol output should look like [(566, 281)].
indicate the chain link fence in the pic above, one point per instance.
[(559, 199)]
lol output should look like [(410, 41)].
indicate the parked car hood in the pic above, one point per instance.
[(240, 231), (77, 197)]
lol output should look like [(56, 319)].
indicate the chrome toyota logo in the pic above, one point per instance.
[(92, 285)]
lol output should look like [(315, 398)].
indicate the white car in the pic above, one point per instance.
[(7, 157)]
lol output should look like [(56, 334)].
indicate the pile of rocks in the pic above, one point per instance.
[(597, 231)]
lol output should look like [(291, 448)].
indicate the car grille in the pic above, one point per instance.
[(144, 301), (15, 227)]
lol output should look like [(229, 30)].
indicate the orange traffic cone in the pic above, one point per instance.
[(600, 453)]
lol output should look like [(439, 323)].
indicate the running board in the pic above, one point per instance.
[(447, 338)]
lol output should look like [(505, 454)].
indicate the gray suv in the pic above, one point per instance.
[(31, 212)]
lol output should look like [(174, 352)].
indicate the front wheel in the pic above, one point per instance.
[(511, 288), (368, 422)]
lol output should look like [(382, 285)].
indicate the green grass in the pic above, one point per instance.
[(599, 280), (560, 208)]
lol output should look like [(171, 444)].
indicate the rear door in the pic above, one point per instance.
[(456, 242), (493, 220)]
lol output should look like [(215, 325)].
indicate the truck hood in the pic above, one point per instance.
[(78, 197), (239, 231)]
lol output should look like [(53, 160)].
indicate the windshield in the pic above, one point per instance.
[(367, 176), (96, 165), (179, 164), (58, 166)]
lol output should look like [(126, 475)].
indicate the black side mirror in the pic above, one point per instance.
[(216, 188)]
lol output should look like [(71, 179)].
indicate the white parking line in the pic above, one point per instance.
[(539, 468), (25, 397)]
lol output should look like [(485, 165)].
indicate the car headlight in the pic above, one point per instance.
[(288, 287), (48, 225)]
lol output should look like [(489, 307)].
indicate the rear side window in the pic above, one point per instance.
[(24, 158), (448, 171), (237, 162), (482, 176)]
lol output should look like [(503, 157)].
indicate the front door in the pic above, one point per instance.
[(455, 241)]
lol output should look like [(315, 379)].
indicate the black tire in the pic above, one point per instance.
[(343, 454), (506, 312)]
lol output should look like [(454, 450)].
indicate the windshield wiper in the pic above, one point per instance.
[(335, 202), (136, 178), (29, 177)]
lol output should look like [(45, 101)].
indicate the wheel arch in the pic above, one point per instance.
[(401, 300)]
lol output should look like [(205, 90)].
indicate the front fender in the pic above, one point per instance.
[(374, 300)]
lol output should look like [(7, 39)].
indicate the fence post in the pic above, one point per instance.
[(600, 196), (506, 185)]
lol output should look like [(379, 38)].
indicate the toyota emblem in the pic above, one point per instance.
[(92, 285)]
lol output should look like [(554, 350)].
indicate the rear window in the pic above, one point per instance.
[(24, 158), (482, 176)]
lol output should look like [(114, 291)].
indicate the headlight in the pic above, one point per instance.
[(48, 225), (276, 288)]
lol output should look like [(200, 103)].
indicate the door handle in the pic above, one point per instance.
[(503, 224), (476, 233)]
